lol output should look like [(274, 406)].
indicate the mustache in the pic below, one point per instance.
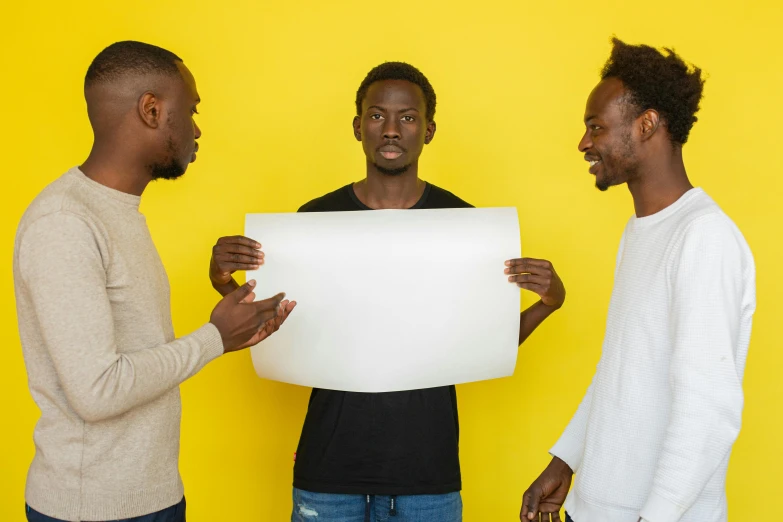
[(388, 145)]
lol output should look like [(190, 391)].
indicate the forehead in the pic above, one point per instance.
[(390, 93), (605, 99), (188, 81)]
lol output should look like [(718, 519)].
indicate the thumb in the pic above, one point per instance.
[(532, 499), (243, 291)]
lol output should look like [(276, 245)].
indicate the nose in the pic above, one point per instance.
[(391, 129), (585, 143), (196, 130)]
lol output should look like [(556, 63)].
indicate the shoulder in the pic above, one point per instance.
[(442, 198), (59, 205), (54, 241), (336, 200), (62, 218), (704, 218), (704, 231)]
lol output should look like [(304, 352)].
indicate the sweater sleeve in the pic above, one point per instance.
[(62, 268), (571, 445), (706, 291)]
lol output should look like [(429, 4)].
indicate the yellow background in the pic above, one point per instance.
[(278, 80)]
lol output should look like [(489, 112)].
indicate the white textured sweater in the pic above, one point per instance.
[(653, 434), (103, 365)]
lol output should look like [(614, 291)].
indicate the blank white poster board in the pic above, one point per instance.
[(389, 300)]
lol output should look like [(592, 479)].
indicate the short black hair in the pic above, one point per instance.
[(658, 80), (129, 58), (397, 71)]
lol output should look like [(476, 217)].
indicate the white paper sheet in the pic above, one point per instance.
[(389, 300)]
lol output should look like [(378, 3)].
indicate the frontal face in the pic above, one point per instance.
[(180, 129), (393, 126), (608, 142)]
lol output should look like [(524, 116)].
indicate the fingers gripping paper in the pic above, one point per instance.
[(389, 300)]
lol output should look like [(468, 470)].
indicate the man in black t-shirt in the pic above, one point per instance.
[(367, 456)]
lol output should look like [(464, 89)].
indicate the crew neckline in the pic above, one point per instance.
[(652, 219), (123, 197), (419, 204)]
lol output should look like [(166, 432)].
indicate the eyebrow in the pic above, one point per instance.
[(384, 109), (588, 118)]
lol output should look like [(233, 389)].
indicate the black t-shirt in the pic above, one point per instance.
[(396, 443)]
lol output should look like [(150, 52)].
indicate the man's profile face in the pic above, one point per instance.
[(180, 131), (393, 125), (608, 141)]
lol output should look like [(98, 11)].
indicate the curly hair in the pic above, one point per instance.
[(659, 81), (397, 71), (128, 58)]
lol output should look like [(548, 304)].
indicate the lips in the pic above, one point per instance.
[(391, 152), (594, 163)]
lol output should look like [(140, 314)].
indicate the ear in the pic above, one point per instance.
[(430, 133), (650, 121), (150, 109), (357, 128)]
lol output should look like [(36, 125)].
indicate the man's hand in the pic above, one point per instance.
[(539, 276), (232, 253), (547, 493), (273, 325), (240, 321)]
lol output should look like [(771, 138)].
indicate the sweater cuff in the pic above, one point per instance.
[(660, 509), (210, 340), (569, 452)]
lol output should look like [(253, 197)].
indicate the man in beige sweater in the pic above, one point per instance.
[(93, 305)]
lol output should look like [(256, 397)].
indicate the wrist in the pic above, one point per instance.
[(561, 466), (224, 287), (550, 308)]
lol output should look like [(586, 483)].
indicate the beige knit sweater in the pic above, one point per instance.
[(103, 364)]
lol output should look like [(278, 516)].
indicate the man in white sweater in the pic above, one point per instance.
[(652, 437), (93, 305)]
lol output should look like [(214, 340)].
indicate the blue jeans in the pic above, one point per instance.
[(175, 513), (328, 507)]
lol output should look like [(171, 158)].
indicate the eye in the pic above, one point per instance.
[(595, 127), (409, 119), (375, 116)]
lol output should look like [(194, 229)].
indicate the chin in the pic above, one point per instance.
[(392, 171), (603, 184), (606, 183)]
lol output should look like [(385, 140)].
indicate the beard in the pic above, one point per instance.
[(623, 165), (604, 184), (392, 172), (170, 168)]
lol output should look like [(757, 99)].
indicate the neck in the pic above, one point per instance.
[(381, 191), (659, 185), (116, 167)]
